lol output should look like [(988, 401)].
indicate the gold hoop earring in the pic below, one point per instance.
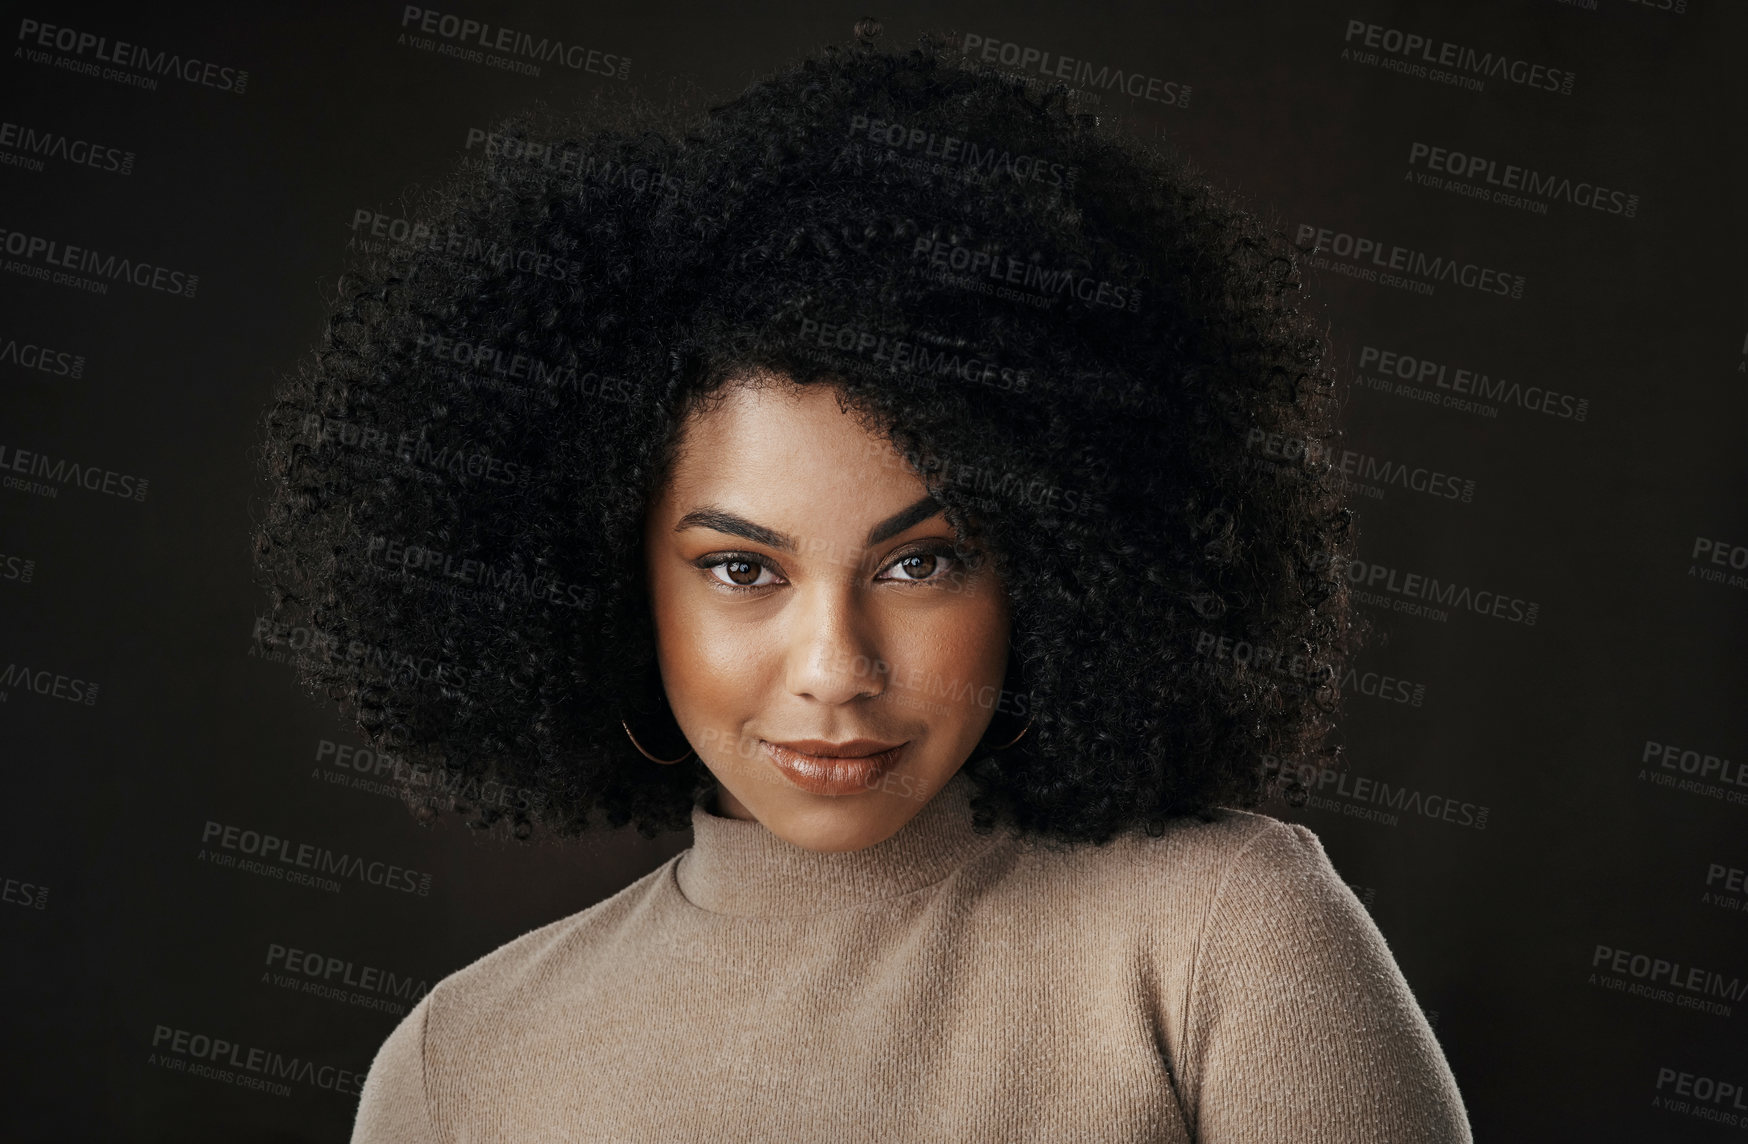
[(652, 758), (1016, 738)]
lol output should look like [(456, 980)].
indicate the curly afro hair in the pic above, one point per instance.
[(1100, 365)]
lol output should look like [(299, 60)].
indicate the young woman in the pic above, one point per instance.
[(865, 474)]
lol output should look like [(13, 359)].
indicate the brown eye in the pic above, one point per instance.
[(921, 567), (740, 574)]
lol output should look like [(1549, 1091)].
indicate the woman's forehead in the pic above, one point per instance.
[(786, 457), (781, 422)]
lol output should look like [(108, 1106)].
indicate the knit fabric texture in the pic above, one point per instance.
[(1219, 984)]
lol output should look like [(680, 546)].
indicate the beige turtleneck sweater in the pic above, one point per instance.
[(1219, 984)]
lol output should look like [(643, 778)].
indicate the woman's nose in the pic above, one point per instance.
[(833, 649)]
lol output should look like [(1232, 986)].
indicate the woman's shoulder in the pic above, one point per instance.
[(1295, 1001), (481, 1009), (1191, 858), (515, 972), (1226, 836), (1241, 847), (1242, 870), (1160, 892)]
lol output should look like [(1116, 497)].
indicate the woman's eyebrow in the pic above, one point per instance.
[(922, 510), (721, 520)]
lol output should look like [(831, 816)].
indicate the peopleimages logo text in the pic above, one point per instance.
[(1511, 177), (1420, 264), (1080, 73), (1458, 57), (65, 472), (52, 252), (271, 1068), (32, 144), (1381, 578), (510, 42), (271, 847), (120, 53)]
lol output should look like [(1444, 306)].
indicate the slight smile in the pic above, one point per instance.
[(824, 768)]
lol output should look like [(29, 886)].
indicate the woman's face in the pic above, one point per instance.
[(805, 593)]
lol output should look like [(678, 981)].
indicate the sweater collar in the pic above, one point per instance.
[(740, 867)]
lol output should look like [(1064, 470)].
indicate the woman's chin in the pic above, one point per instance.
[(827, 823)]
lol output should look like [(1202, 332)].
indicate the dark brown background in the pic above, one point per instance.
[(1544, 725)]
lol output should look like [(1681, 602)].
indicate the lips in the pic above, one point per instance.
[(849, 749), (825, 768)]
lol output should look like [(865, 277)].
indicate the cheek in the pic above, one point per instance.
[(975, 640), (709, 666), (986, 622), (994, 628), (960, 659), (716, 658)]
